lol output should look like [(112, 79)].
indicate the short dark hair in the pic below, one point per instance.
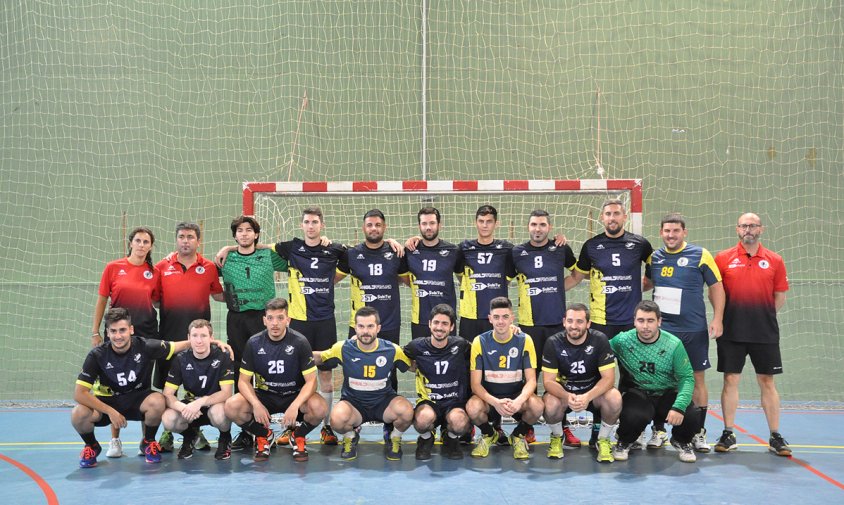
[(500, 302), (117, 314), (247, 220), (201, 323), (187, 225), (540, 213), (446, 310), (375, 213), (674, 217), (276, 304), (367, 311), (648, 306), (579, 307), (314, 211), (487, 210), (614, 201), (427, 210)]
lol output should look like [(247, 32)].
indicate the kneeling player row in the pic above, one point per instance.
[(498, 368)]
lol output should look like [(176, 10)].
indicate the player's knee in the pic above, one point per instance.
[(169, 420), (458, 421), (731, 380), (424, 417), (154, 404), (316, 406)]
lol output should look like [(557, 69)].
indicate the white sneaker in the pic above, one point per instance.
[(685, 452), (621, 451), (658, 439), (115, 448), (699, 442), (639, 443)]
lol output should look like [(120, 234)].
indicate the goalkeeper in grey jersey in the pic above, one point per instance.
[(656, 380)]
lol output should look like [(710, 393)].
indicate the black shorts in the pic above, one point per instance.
[(276, 404), (371, 412), (393, 336), (539, 334), (697, 347), (766, 358), (611, 330), (129, 405), (418, 330), (320, 334), (471, 328), (240, 326), (440, 409)]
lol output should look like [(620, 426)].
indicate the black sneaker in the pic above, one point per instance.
[(243, 442), (503, 439), (424, 447), (593, 438), (224, 447), (451, 448), (777, 445), (186, 451), (466, 439), (350, 446), (726, 443)]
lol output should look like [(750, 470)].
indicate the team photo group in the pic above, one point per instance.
[(634, 356)]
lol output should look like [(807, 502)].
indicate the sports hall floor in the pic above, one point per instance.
[(40, 451)]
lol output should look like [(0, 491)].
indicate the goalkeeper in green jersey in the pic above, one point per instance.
[(657, 382)]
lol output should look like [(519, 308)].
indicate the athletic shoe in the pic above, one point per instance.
[(424, 447), (658, 439), (604, 451), (285, 438), (300, 451), (520, 447), (186, 451), (243, 441), (639, 443), (201, 443), (621, 451), (778, 445), (166, 441), (555, 447), (152, 452), (142, 447), (327, 436), (394, 449), (699, 442), (481, 449), (530, 436), (224, 447), (115, 448), (686, 452), (388, 432), (569, 440), (451, 448), (263, 445), (503, 440), (88, 458), (726, 443), (593, 437), (464, 439), (350, 447)]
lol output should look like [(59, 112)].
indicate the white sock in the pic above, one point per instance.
[(556, 429), (606, 430), (424, 436), (453, 435), (329, 399), (396, 433)]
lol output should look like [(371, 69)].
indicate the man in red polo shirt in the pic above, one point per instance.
[(755, 283), (187, 282)]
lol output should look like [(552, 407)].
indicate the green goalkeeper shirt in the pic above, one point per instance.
[(655, 368), (248, 279)]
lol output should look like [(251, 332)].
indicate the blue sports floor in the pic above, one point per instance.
[(39, 454)]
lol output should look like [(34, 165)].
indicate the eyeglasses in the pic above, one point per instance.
[(749, 226)]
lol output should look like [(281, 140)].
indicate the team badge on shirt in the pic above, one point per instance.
[(147, 275), (200, 270), (380, 361)]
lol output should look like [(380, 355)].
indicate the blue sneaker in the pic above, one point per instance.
[(152, 452), (88, 458)]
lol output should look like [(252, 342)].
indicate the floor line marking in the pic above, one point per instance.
[(45, 488)]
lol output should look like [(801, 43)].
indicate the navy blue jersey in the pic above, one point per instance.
[(541, 275), (311, 279), (614, 267), (278, 366), (374, 281), (366, 374), (200, 377), (442, 374), (503, 363), (122, 373), (431, 271), (577, 367), (487, 270)]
